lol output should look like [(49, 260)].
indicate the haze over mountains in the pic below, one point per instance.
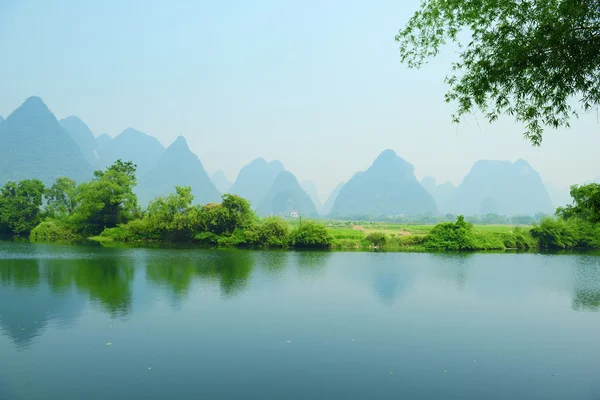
[(388, 187), (221, 182), (177, 166), (501, 187), (34, 144), (286, 196)]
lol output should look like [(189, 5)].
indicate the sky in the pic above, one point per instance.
[(316, 84)]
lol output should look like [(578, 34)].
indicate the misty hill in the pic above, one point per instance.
[(310, 189), (1, 119), (83, 136), (34, 145), (389, 187), (133, 145), (559, 196), (286, 196), (442, 194), (256, 179), (221, 182), (177, 166), (331, 199), (501, 187), (103, 141)]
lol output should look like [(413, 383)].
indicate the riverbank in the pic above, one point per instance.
[(279, 234)]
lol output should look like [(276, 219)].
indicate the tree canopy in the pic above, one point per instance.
[(524, 58), (586, 203), (20, 204)]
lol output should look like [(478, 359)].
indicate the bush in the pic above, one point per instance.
[(561, 234), (270, 232), (311, 235), (452, 236), (377, 239), (52, 231)]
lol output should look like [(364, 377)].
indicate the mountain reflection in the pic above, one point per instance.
[(28, 303)]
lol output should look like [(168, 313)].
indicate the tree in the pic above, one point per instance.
[(107, 200), (61, 197), (223, 219), (20, 204), (173, 217), (524, 58), (586, 203)]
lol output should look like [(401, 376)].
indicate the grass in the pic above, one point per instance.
[(343, 230)]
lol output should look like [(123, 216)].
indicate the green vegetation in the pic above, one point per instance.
[(20, 206), (526, 59), (578, 225), (105, 210), (460, 236)]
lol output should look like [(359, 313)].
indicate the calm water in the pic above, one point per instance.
[(92, 323)]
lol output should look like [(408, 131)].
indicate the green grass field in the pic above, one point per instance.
[(358, 230)]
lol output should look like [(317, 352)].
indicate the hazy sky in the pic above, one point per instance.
[(316, 84)]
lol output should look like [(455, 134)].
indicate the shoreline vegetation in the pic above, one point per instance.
[(105, 210)]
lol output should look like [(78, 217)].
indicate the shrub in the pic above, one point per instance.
[(270, 232), (561, 234), (451, 236), (311, 235), (52, 231), (377, 239)]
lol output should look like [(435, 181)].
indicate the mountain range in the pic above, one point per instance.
[(256, 179), (177, 166), (388, 188), (286, 196), (501, 187), (221, 182), (34, 144)]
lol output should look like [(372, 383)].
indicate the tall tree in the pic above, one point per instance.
[(20, 204), (524, 58), (586, 203), (61, 197), (107, 200)]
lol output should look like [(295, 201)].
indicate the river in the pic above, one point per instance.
[(91, 323)]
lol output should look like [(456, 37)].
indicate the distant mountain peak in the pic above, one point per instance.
[(34, 101), (389, 159), (387, 154), (180, 142), (388, 188), (34, 145), (286, 196), (256, 179)]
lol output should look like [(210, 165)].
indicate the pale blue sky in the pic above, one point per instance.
[(316, 84)]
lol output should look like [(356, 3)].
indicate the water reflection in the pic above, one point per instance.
[(586, 290), (28, 303), (41, 284), (453, 267)]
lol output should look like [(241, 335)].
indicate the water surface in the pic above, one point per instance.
[(93, 323)]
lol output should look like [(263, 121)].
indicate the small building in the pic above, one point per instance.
[(294, 214)]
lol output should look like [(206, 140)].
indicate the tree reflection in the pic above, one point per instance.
[(311, 263), (27, 303), (230, 268), (106, 281), (19, 273), (176, 277)]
